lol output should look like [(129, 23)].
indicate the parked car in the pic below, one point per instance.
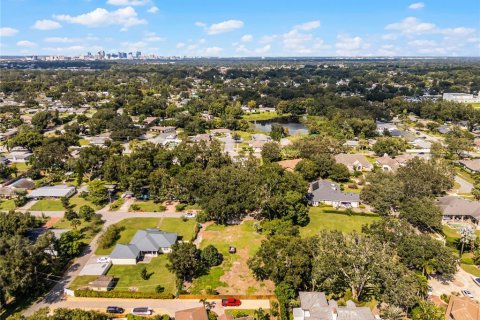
[(189, 215), (467, 293), (115, 310), (142, 311), (103, 259), (476, 280), (232, 249), (231, 302)]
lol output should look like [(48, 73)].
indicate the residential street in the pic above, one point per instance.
[(465, 186), (168, 306)]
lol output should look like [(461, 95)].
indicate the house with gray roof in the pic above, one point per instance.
[(472, 165), (145, 242), (315, 306), (58, 191), (125, 254), (329, 193), (459, 209)]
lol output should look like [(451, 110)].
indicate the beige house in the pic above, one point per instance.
[(354, 162)]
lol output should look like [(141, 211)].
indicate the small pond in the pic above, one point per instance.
[(292, 124)]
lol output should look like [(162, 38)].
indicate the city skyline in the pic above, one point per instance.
[(240, 29)]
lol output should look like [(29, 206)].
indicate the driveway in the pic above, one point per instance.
[(167, 306), (465, 186), (462, 280)]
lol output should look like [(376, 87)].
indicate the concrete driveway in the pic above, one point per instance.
[(465, 186), (462, 280)]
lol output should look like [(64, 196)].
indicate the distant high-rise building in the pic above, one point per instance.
[(138, 54)]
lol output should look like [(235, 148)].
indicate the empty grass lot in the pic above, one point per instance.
[(184, 229), (48, 205), (326, 218), (77, 202), (148, 206), (233, 275)]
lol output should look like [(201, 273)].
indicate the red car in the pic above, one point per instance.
[(231, 302)]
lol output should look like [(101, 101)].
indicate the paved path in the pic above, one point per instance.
[(27, 205), (462, 280), (465, 186), (168, 306)]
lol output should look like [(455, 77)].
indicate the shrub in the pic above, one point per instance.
[(134, 207), (110, 236), (202, 217), (122, 294), (159, 289), (70, 215), (180, 207), (86, 212)]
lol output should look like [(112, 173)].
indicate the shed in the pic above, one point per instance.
[(102, 283)]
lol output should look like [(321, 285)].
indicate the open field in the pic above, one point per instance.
[(185, 229), (326, 218), (88, 229), (233, 276), (48, 205), (261, 116), (147, 206), (77, 202)]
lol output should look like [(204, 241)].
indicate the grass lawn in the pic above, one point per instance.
[(185, 229), (131, 226), (83, 142), (233, 275), (474, 270), (129, 276), (465, 175), (81, 281), (246, 136), (7, 205), (147, 206), (326, 218), (261, 116), (48, 205), (21, 166), (88, 229), (77, 201), (117, 204), (238, 313)]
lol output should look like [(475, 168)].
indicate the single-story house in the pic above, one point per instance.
[(444, 129), (315, 306), (160, 129), (19, 156), (472, 165), (327, 192), (421, 144), (392, 164), (99, 140), (144, 242), (354, 162), (198, 313), (149, 121), (462, 308), (459, 209), (59, 191), (385, 126), (260, 137), (22, 184), (257, 146), (352, 144), (125, 254), (102, 283)]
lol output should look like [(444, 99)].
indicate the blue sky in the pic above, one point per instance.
[(241, 27)]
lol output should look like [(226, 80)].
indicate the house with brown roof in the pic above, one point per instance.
[(354, 162), (462, 308), (192, 314), (388, 163)]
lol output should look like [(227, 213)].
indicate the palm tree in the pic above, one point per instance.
[(467, 235), (393, 313)]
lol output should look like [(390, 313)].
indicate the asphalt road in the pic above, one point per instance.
[(167, 306)]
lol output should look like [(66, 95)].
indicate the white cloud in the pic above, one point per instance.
[(60, 40), (152, 37), (133, 46), (8, 32), (246, 38), (46, 25), (350, 46), (26, 43), (263, 50), (153, 9), (389, 36), (125, 17), (458, 32), (180, 45), (416, 6), (422, 43), (212, 51), (268, 39), (202, 41), (307, 26), (71, 49), (221, 27), (128, 2), (412, 26)]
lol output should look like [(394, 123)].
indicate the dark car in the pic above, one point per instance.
[(231, 302), (115, 310)]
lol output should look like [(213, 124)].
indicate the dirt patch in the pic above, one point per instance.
[(170, 205), (241, 280), (51, 222)]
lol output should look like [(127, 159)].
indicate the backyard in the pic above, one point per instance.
[(233, 276), (48, 205), (327, 218), (452, 236), (185, 229)]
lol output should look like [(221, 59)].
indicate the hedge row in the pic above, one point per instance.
[(123, 294)]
